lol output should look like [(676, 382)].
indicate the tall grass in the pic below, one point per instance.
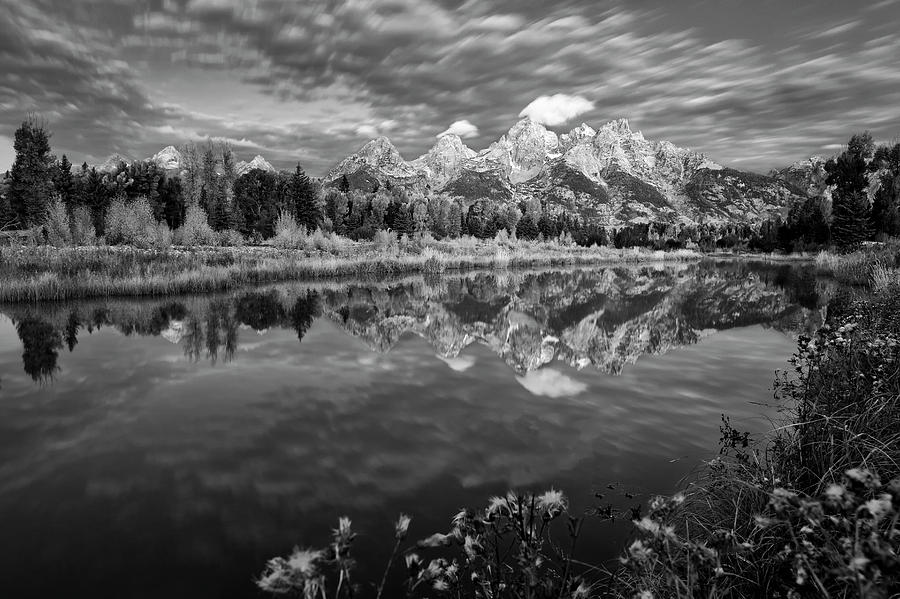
[(812, 509), (46, 273)]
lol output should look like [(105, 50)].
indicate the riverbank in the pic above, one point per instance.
[(811, 509), (44, 273)]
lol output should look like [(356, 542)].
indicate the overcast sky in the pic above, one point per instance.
[(754, 84)]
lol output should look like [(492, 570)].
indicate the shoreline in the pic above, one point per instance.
[(46, 273)]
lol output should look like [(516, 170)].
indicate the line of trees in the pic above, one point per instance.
[(250, 204), (207, 179)]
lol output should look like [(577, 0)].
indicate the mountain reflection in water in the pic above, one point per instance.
[(167, 447), (602, 318)]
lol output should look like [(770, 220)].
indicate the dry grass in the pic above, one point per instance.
[(44, 273)]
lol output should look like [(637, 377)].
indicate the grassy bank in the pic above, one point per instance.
[(809, 510), (44, 273)]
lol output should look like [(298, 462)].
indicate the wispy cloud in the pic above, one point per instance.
[(307, 80)]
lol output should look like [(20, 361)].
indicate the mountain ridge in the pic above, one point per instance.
[(611, 175)]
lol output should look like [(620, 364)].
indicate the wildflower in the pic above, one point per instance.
[(343, 533), (835, 492), (582, 591), (879, 507), (440, 585), (496, 506), (863, 477), (640, 552), (402, 526), (460, 517), (859, 563), (304, 561), (552, 502), (645, 595), (435, 540), (471, 545), (648, 526)]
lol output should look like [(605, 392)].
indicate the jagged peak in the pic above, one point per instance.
[(583, 130), (617, 128)]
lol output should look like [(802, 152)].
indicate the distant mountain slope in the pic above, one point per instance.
[(611, 176)]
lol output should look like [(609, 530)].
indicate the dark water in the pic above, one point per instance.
[(168, 447)]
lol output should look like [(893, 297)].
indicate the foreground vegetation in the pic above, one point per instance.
[(809, 510), (47, 273)]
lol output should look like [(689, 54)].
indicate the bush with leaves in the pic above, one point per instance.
[(81, 225), (196, 229), (57, 224)]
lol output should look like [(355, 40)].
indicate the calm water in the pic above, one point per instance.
[(168, 447)]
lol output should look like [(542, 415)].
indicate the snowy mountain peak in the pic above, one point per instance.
[(169, 159), (258, 162), (444, 161)]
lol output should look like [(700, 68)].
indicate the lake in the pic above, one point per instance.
[(167, 447)]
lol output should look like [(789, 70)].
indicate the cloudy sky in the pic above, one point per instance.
[(754, 84)]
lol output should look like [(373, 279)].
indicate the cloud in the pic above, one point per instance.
[(458, 363), (557, 109), (463, 128), (551, 383), (306, 80)]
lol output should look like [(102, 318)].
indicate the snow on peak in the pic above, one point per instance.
[(258, 162), (169, 158)]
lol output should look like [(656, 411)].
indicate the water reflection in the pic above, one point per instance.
[(173, 444), (600, 318)]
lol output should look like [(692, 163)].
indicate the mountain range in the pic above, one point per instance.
[(609, 176)]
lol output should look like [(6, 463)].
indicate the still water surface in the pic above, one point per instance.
[(168, 447)]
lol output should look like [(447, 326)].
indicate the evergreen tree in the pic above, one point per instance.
[(547, 226), (851, 220), (403, 223), (31, 183), (305, 200), (527, 228), (172, 200), (63, 181), (886, 204), (848, 173), (344, 185)]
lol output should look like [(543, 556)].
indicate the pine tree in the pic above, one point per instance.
[(851, 221), (344, 185), (527, 228), (403, 222), (848, 173), (305, 200), (31, 184), (63, 180)]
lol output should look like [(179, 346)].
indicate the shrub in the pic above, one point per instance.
[(386, 241), (231, 238), (130, 223), (196, 229), (82, 226), (843, 542), (288, 234), (57, 225)]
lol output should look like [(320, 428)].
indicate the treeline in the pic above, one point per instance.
[(39, 184), (206, 202)]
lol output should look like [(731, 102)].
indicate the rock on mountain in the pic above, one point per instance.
[(443, 163), (806, 175), (258, 162), (168, 159), (111, 164), (611, 176), (378, 163)]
